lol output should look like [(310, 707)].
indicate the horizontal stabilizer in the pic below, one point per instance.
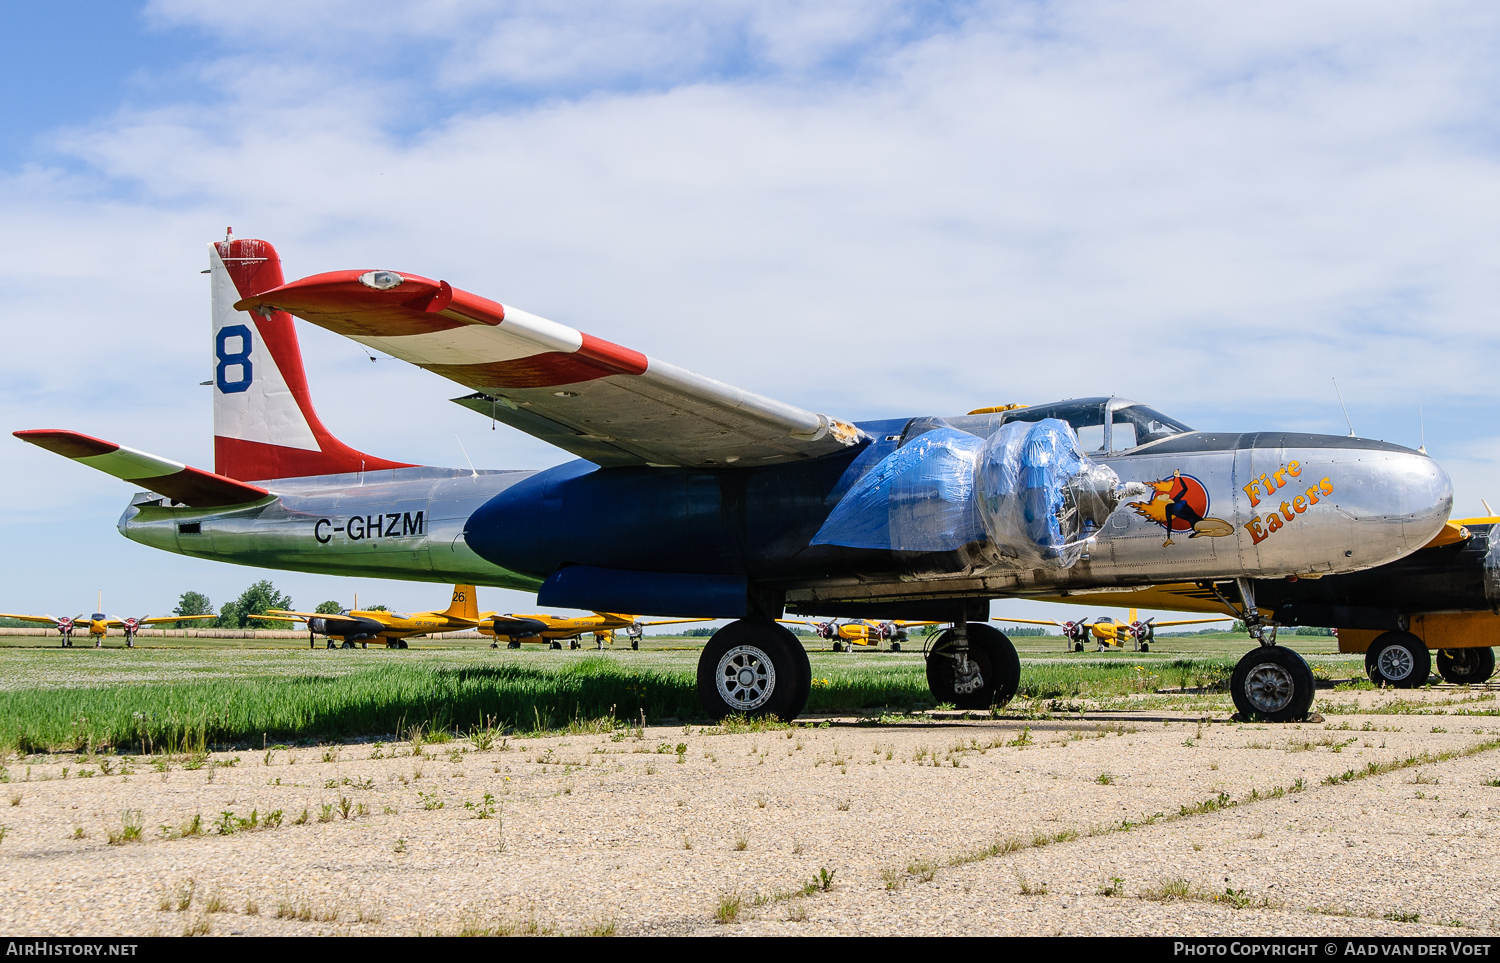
[(189, 486)]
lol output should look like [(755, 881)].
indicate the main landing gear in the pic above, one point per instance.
[(973, 666), (1399, 660), (754, 667), (1270, 683), (1466, 666)]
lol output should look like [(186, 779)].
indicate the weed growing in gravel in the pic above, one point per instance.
[(741, 841), (921, 870), (430, 800), (325, 814), (842, 805), (1030, 889), (1400, 916), (731, 904), (894, 878), (215, 903), (198, 927), (184, 896), (130, 828), (484, 809), (1115, 887), (78, 833), (1105, 779), (301, 820)]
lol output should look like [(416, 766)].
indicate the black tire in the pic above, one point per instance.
[(991, 652), (1466, 666), (513, 644), (763, 668), (895, 646), (573, 644), (635, 645), (494, 645), (1077, 646), (1272, 684), (1145, 646), (838, 646), (556, 644), (401, 644), (1399, 660)]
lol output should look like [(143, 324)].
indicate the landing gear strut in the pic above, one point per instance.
[(1270, 682), (973, 666)]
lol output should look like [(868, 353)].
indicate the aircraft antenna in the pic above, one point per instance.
[(1341, 405), (1487, 509), (1422, 426), (466, 454)]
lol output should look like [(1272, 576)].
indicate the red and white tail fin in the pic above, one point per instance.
[(264, 423)]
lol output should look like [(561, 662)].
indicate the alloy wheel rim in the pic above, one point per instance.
[(1270, 687), (1395, 663), (746, 678)]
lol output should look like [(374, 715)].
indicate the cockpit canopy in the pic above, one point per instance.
[(1103, 424)]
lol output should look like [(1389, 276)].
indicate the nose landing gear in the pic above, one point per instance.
[(1270, 683)]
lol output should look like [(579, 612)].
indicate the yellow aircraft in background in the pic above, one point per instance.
[(557, 629), (360, 627), (867, 632), (99, 624), (1111, 634)]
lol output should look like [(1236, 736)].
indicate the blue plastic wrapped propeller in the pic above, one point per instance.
[(1027, 495)]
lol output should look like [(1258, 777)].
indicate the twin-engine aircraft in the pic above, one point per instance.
[(863, 632), (360, 627), (1110, 634), (557, 629), (99, 624), (693, 498)]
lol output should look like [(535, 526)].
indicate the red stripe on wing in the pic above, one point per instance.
[(69, 444)]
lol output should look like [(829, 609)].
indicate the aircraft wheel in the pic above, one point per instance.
[(635, 645), (1399, 660), (838, 646), (1272, 683), (1077, 646), (1466, 666), (895, 646), (754, 667), (556, 644), (332, 644), (991, 653), (573, 643), (494, 645), (400, 643), (1145, 646), (348, 645)]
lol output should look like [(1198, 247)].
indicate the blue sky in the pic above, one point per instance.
[(1215, 210)]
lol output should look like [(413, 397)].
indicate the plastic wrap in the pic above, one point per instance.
[(1026, 497), (919, 498)]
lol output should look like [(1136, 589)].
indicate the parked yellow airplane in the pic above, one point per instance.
[(556, 629), (99, 624), (363, 626), (860, 632), (1111, 634)]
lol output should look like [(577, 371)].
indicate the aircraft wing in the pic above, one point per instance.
[(193, 487), (675, 621), (29, 618), (1190, 621), (1027, 621), (282, 615), (155, 619), (609, 404)]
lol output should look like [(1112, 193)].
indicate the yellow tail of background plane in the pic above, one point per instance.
[(464, 605)]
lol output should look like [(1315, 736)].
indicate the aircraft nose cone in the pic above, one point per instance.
[(1426, 498)]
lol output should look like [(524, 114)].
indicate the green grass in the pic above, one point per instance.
[(183, 695)]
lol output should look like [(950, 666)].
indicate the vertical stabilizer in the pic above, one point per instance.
[(264, 423), (464, 604)]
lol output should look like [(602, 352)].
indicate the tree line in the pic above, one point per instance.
[(256, 600)]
